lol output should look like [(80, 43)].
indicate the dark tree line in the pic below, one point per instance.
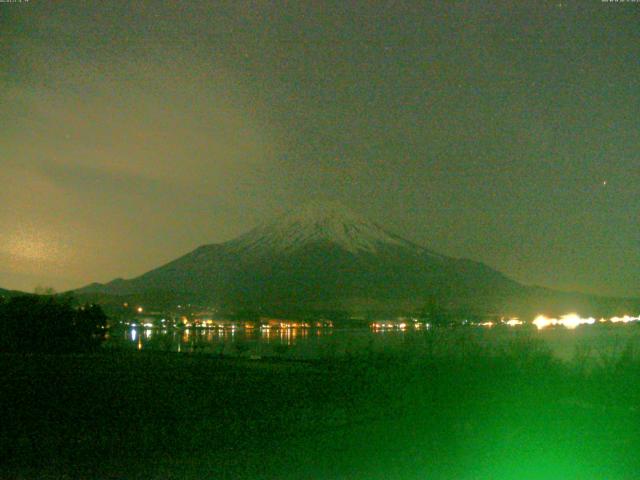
[(51, 324)]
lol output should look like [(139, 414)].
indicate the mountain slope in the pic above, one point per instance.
[(320, 256)]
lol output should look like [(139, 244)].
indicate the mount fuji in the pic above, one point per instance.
[(320, 256)]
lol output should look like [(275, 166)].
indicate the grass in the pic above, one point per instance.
[(453, 412)]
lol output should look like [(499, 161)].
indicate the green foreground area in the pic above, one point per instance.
[(515, 413)]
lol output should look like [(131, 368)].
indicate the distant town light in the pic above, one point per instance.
[(570, 321), (624, 319), (139, 309), (543, 322)]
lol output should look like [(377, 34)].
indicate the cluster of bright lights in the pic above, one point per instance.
[(393, 325), (290, 325), (570, 321), (512, 322), (573, 320), (624, 319)]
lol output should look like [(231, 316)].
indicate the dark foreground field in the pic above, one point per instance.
[(473, 414)]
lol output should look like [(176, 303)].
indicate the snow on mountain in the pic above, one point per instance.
[(324, 257), (319, 222), (318, 256)]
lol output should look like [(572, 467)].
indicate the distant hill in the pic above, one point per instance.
[(323, 256), (10, 293)]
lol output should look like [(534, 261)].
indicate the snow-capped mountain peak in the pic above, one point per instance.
[(319, 222)]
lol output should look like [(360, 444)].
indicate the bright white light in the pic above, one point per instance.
[(570, 321), (512, 322), (624, 319), (542, 322)]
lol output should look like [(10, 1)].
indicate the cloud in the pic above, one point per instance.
[(110, 167), (180, 132)]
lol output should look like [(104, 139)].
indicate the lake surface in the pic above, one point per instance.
[(587, 341)]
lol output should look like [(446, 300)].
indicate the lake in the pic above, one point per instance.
[(587, 341)]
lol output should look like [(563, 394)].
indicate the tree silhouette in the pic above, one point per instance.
[(37, 323), (42, 290)]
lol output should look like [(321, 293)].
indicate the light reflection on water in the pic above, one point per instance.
[(297, 342), (596, 340)]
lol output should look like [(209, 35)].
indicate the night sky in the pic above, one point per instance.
[(132, 132)]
